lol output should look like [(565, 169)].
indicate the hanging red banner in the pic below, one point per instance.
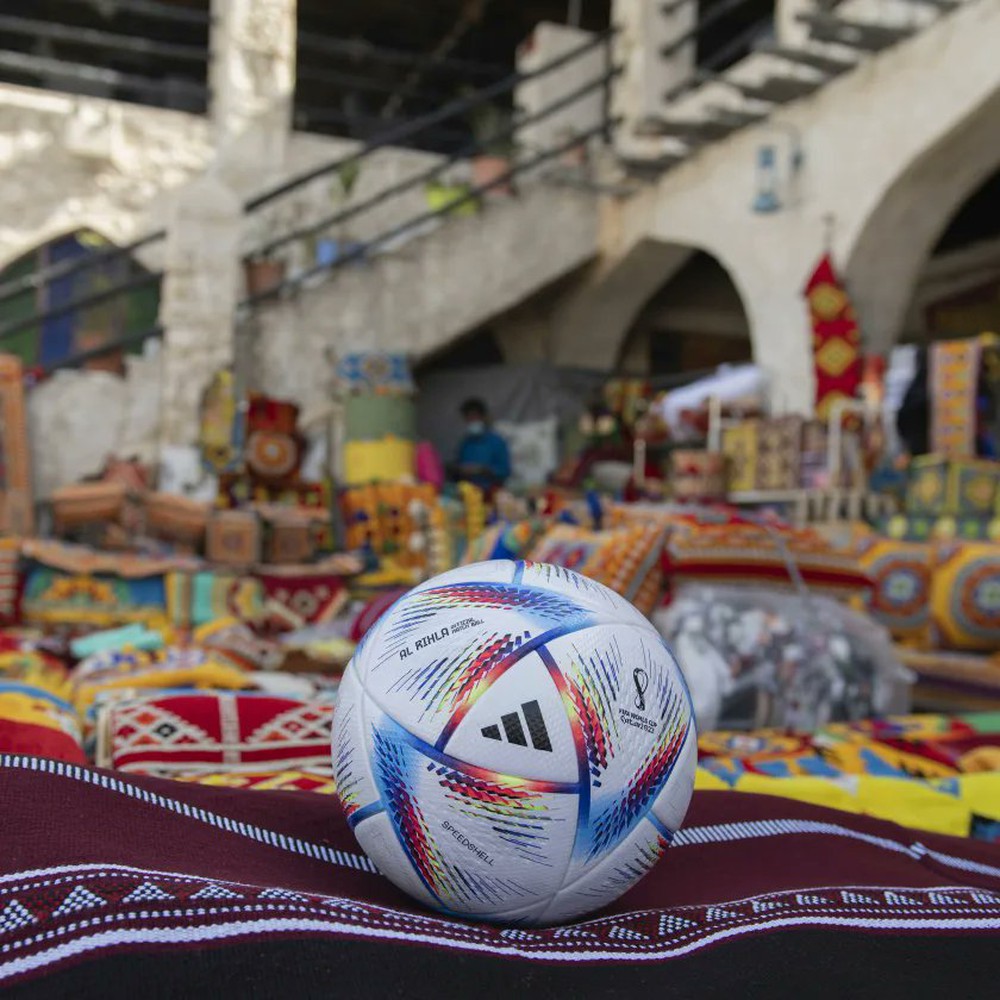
[(835, 336)]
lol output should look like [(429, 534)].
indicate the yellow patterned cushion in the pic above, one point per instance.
[(965, 596), (901, 584)]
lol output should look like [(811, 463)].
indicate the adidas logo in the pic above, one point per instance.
[(514, 730)]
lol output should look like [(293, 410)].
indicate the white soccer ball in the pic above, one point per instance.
[(514, 742)]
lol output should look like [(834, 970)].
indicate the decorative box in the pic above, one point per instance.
[(175, 518), (86, 503), (814, 466), (698, 475), (233, 538), (274, 448), (290, 541), (974, 486), (739, 445), (960, 487), (69, 586), (779, 446)]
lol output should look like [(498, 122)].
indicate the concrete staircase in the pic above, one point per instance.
[(428, 293), (423, 295), (807, 45)]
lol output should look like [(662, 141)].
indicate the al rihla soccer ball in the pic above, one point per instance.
[(514, 742)]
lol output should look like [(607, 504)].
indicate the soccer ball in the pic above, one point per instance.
[(513, 742)]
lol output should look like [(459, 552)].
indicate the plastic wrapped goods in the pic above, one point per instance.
[(763, 658)]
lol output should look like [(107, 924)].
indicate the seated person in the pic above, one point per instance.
[(483, 458)]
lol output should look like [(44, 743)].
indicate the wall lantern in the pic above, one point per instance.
[(767, 181), (775, 193)]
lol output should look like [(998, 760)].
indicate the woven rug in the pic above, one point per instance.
[(954, 373), (182, 889)]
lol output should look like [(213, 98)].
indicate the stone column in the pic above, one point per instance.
[(252, 81), (644, 30), (200, 290), (790, 31), (547, 43)]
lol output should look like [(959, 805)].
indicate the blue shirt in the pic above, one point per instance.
[(487, 449)]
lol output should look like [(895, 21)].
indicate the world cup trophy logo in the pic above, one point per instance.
[(641, 680)]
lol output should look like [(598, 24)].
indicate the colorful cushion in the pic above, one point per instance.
[(37, 722), (504, 541), (901, 583), (52, 596), (212, 731), (74, 585), (623, 559), (965, 596), (752, 554), (198, 598), (174, 667), (303, 594)]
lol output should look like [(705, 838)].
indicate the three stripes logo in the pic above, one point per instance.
[(514, 730)]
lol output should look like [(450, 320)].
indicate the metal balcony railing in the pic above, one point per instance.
[(454, 111), (443, 117), (140, 51)]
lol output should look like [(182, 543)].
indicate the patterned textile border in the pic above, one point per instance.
[(954, 372), (244, 879)]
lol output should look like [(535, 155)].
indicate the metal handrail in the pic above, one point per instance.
[(710, 17), (430, 174), (388, 137), (97, 38), (408, 130), (359, 50), (24, 62), (129, 340), (65, 268), (718, 60), (311, 116), (87, 300), (473, 194), (152, 9)]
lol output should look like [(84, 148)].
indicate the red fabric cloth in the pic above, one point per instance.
[(374, 610), (307, 595), (17, 736), (211, 731), (153, 868)]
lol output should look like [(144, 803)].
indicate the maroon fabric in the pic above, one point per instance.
[(93, 864), (374, 610)]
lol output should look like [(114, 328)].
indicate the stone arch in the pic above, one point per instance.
[(899, 235), (56, 339), (694, 320)]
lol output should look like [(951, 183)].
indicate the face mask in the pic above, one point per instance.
[(475, 427)]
